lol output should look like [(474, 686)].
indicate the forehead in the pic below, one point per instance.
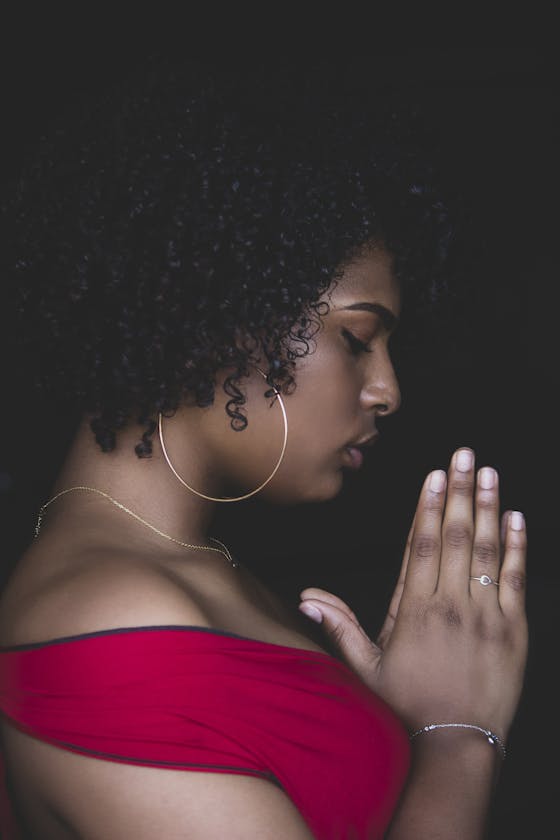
[(369, 277)]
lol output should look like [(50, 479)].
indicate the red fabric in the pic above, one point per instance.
[(201, 699)]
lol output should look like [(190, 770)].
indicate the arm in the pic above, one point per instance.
[(106, 800), (67, 794), (449, 789), (451, 650)]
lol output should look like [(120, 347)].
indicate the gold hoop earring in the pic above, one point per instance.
[(247, 495)]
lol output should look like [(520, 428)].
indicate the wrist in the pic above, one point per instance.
[(449, 789), (491, 737), (468, 750)]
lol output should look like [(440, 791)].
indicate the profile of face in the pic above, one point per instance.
[(343, 386)]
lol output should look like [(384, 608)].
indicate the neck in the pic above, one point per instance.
[(145, 485)]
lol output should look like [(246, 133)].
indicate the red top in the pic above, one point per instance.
[(196, 698)]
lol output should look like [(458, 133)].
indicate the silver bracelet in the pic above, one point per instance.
[(491, 736)]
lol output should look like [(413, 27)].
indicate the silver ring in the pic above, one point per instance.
[(485, 580)]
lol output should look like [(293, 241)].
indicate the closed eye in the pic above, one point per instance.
[(356, 346)]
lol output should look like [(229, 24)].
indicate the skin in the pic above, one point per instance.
[(467, 663), (450, 650), (93, 567), (347, 391)]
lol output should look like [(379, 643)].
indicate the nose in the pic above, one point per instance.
[(381, 390)]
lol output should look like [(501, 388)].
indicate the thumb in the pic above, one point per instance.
[(343, 629)]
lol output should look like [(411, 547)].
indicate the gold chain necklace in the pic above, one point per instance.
[(223, 550)]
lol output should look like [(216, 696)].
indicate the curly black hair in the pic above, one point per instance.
[(193, 204)]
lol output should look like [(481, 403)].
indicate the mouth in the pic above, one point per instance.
[(354, 452), (354, 457)]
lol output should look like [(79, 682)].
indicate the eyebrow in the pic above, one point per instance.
[(388, 319)]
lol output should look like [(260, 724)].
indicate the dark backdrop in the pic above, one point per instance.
[(498, 116)]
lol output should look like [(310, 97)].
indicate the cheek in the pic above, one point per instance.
[(325, 400), (332, 371)]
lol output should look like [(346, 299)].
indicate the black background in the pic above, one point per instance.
[(497, 111)]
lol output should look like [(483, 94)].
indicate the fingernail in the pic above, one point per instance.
[(437, 481), (312, 612), (464, 460), (516, 520), (487, 478)]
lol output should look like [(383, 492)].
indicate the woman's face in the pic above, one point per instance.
[(342, 388)]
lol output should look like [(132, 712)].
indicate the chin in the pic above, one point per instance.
[(305, 493), (320, 491)]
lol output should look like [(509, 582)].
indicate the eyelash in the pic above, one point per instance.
[(356, 346)]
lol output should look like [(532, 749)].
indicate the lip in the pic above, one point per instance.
[(365, 442), (354, 457), (353, 451)]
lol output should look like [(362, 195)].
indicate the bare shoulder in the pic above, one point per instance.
[(62, 794), (104, 595)]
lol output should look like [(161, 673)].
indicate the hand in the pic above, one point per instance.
[(450, 649)]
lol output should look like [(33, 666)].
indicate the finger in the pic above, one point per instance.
[(319, 596), (513, 571), (458, 525), (424, 558), (347, 637), (486, 543), (503, 531), (391, 617)]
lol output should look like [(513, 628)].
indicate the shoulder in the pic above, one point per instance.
[(103, 595), (81, 796), (56, 785)]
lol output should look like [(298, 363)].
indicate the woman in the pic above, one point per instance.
[(214, 275)]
